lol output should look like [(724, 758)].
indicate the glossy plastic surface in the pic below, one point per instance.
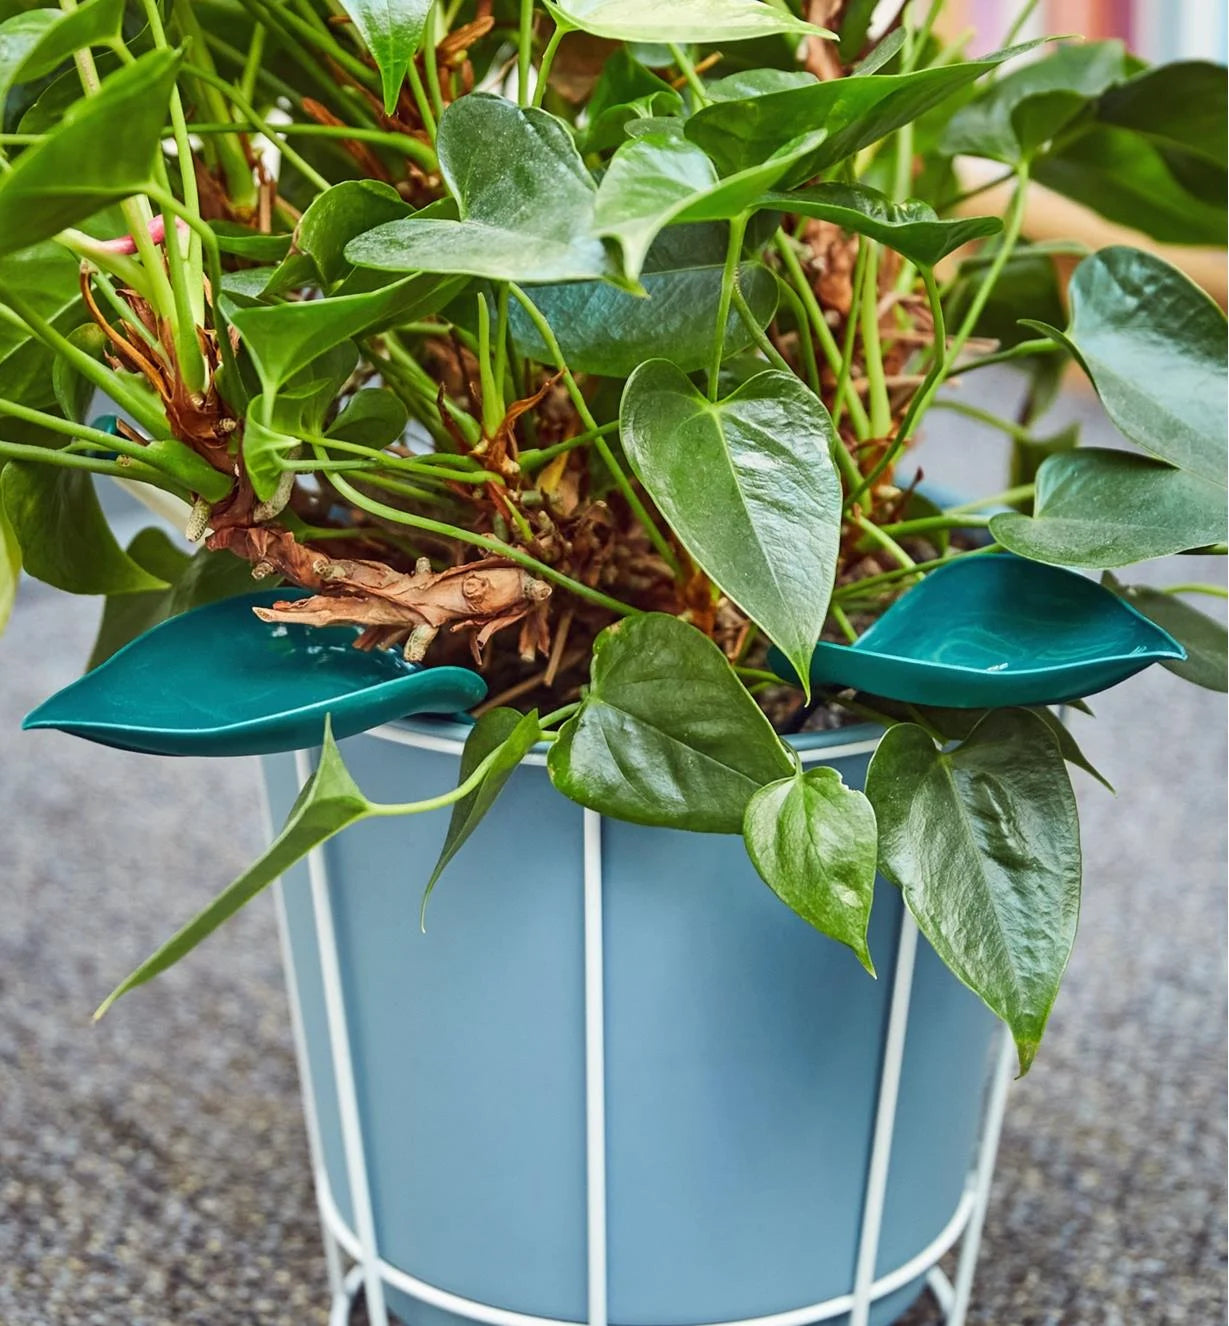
[(991, 631), (218, 681)]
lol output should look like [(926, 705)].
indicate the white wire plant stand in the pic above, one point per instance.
[(369, 1273)]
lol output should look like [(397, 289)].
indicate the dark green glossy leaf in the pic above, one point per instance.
[(677, 21), (1098, 508), (20, 35), (1024, 110), (64, 536), (284, 338), (525, 197), (74, 393), (1205, 640), (666, 734), (984, 843), (1126, 178), (193, 580), (813, 841), (854, 112), (102, 151), (758, 83), (393, 31), (374, 417), (508, 735), (329, 802), (911, 228), (749, 487), (855, 28), (244, 242), (1154, 346), (1180, 104), (608, 331), (338, 216), (625, 91)]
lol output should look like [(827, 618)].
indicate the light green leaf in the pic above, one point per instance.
[(329, 802), (605, 330), (1098, 508), (678, 20), (1205, 640), (10, 567), (507, 732), (46, 277), (1024, 110), (813, 841), (284, 338), (625, 91), (20, 35), (338, 216), (266, 448), (102, 151), (984, 844), (75, 393), (853, 112), (64, 537), (911, 228), (32, 44), (666, 734), (749, 487), (525, 197), (393, 31)]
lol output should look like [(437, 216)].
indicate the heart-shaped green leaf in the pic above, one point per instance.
[(525, 197), (625, 91), (1025, 109), (393, 31), (34, 42), (1153, 344), (1205, 640), (284, 338), (46, 276), (508, 735), (813, 841), (102, 151), (374, 417), (749, 486), (605, 330), (1179, 105), (329, 801), (666, 733), (64, 537), (678, 20), (343, 212), (854, 112), (984, 843), (912, 228), (1098, 508)]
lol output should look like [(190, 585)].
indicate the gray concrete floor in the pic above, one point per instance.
[(153, 1169)]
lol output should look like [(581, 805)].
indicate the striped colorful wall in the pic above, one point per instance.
[(1158, 30)]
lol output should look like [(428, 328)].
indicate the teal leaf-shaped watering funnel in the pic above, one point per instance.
[(990, 631), (218, 681)]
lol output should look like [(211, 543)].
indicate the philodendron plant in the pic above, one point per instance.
[(585, 343)]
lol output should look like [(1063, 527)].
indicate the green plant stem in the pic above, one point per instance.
[(857, 412), (1013, 430), (759, 674), (1008, 497), (757, 334), (559, 715), (534, 459), (838, 616), (729, 279), (872, 350), (111, 384), (524, 51), (270, 131), (1024, 350), (431, 60), (845, 373), (622, 482), (421, 100), (251, 65), (924, 524), (119, 265), (114, 469), (807, 341), (503, 379), (458, 793), (544, 65), (688, 70), (957, 198), (122, 312), (880, 536), (1216, 591), (492, 399), (1021, 18), (490, 545), (858, 588)]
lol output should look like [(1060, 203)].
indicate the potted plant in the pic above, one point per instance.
[(563, 363)]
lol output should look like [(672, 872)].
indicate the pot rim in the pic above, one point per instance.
[(447, 736)]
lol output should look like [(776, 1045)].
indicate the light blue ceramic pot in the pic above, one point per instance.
[(743, 1053)]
